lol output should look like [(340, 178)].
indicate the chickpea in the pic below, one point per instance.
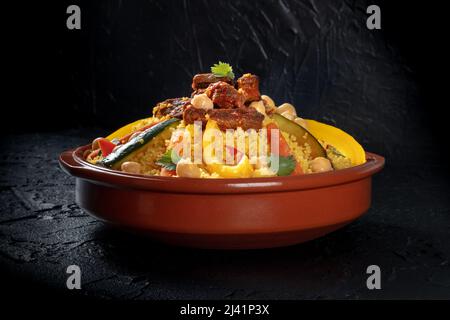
[(201, 101), (286, 107), (259, 106), (187, 169), (131, 167), (301, 122), (288, 115), (260, 162), (95, 144), (268, 102), (320, 164)]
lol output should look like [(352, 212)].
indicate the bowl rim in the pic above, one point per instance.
[(72, 163)]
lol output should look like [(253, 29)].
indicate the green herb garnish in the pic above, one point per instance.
[(222, 69), (166, 160), (286, 165)]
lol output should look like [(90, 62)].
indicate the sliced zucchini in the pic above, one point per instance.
[(116, 158), (301, 134)]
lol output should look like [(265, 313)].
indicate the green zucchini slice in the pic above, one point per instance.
[(117, 157), (301, 134)]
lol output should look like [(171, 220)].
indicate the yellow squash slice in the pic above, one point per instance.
[(243, 169), (342, 141), (127, 129)]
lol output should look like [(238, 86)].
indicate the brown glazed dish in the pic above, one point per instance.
[(244, 213)]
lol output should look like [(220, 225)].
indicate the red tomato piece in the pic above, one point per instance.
[(106, 146)]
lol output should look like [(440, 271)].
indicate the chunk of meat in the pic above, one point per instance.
[(248, 86), (198, 91), (224, 95), (246, 118), (191, 114), (203, 80), (171, 107)]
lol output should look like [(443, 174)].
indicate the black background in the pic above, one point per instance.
[(382, 86), (388, 87)]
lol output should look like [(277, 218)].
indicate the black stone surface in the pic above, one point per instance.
[(42, 231)]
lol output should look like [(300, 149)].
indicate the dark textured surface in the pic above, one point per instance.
[(316, 54), (42, 231)]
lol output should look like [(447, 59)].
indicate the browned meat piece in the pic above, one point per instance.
[(192, 114), (224, 95), (203, 80), (248, 85), (198, 91), (172, 107), (246, 118)]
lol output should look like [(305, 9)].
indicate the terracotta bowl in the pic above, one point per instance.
[(224, 213)]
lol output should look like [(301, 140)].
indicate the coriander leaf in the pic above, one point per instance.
[(335, 151), (286, 165), (166, 160), (222, 69)]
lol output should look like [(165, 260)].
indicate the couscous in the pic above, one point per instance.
[(226, 129)]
